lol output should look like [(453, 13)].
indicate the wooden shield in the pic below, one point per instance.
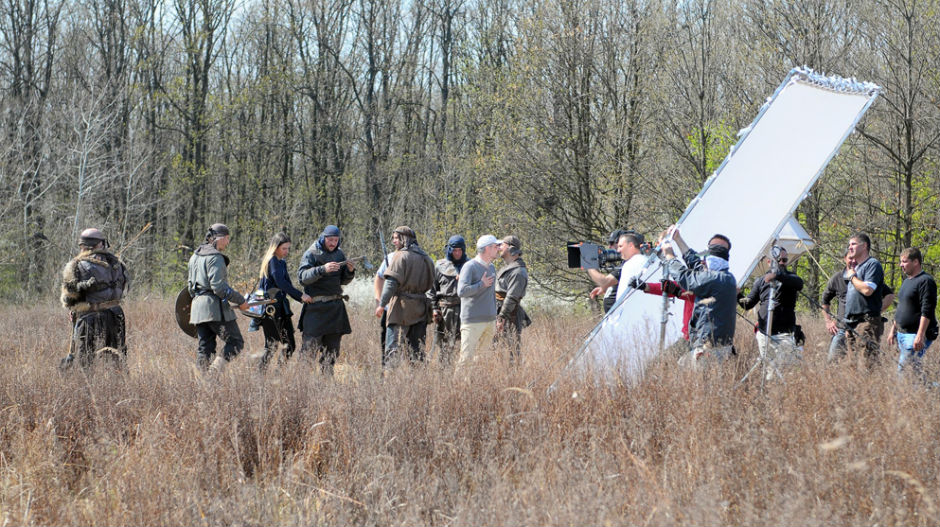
[(184, 305)]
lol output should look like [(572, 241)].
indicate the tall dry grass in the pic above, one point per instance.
[(163, 444)]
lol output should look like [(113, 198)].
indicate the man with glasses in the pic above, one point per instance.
[(778, 343)]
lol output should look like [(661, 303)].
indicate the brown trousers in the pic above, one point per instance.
[(863, 341)]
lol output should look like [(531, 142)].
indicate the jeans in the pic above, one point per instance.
[(908, 356), (837, 346), (398, 335)]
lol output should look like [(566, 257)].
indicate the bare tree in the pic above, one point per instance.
[(906, 128)]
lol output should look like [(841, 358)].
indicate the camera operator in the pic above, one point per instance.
[(629, 245), (606, 282)]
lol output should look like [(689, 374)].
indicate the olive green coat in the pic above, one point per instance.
[(208, 285)]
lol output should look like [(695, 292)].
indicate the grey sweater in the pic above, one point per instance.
[(477, 302)]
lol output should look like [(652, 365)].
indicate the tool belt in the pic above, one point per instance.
[(854, 320), (101, 306), (328, 298), (448, 301), (413, 296)]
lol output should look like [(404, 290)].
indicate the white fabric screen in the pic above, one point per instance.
[(749, 199)]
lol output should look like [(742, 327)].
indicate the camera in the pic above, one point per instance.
[(586, 255)]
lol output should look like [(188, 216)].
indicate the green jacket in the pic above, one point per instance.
[(208, 285)]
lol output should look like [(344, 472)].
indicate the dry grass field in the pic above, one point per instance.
[(163, 444)]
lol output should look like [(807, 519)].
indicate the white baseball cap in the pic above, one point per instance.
[(485, 241)]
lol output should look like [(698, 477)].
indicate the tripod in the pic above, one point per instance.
[(762, 359), (667, 301)]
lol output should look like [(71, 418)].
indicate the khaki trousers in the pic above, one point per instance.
[(473, 336), (864, 341), (779, 353)]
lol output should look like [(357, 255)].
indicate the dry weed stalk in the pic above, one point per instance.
[(164, 445)]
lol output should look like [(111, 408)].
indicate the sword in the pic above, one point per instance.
[(365, 262)]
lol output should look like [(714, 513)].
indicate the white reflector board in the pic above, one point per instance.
[(749, 198)]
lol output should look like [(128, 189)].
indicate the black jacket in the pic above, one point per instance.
[(323, 318), (785, 298)]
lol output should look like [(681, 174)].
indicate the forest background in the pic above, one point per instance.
[(550, 119)]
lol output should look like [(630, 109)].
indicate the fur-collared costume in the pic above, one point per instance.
[(92, 277), (93, 284)]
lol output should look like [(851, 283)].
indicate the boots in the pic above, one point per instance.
[(218, 365)]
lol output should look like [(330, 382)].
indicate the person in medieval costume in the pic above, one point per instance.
[(212, 296), (378, 285), (278, 328), (511, 282), (445, 303), (408, 279), (93, 284), (323, 272)]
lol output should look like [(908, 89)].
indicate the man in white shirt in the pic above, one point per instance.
[(633, 260), (628, 246)]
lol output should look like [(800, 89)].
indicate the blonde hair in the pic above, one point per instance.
[(276, 241)]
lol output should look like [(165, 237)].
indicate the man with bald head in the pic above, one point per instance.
[(93, 284)]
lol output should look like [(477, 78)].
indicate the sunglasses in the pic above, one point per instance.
[(782, 260)]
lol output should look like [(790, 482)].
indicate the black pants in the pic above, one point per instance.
[(324, 346), (382, 334), (227, 331), (97, 330), (447, 333), (510, 336), (278, 329)]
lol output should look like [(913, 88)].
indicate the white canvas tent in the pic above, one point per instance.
[(793, 238), (766, 175)]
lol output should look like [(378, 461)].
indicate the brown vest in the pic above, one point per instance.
[(414, 272)]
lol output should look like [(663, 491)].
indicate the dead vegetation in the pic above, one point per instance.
[(166, 445)]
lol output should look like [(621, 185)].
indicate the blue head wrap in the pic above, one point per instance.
[(457, 242), (330, 230)]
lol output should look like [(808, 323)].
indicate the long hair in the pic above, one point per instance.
[(276, 241)]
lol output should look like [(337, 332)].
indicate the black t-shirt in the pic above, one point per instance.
[(610, 298), (835, 289), (917, 298)]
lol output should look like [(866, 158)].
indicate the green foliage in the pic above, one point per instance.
[(564, 120), (712, 143)]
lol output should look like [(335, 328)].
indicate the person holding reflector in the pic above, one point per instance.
[(715, 288)]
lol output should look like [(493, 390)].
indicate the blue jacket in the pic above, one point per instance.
[(277, 277), (716, 304)]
